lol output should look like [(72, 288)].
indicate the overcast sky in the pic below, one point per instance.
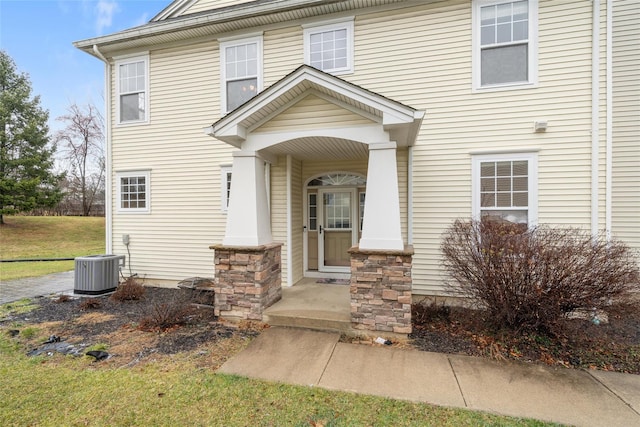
[(38, 35)]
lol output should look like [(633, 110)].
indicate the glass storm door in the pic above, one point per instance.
[(337, 230)]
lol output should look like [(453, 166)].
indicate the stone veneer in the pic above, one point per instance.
[(247, 280), (381, 290)]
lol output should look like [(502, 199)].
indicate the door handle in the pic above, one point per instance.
[(320, 229)]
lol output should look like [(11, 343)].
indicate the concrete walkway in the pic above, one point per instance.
[(312, 358), (30, 287)]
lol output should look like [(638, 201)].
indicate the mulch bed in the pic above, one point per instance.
[(127, 329), (578, 343)]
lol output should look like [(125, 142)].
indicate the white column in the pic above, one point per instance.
[(381, 222), (248, 222)]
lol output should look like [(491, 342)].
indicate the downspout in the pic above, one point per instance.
[(108, 209), (289, 225), (595, 92), (410, 196), (609, 137)]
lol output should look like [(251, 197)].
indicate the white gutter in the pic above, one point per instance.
[(289, 225), (108, 209), (240, 11), (595, 104), (609, 137), (410, 195)]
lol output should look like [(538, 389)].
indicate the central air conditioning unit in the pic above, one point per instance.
[(97, 274)]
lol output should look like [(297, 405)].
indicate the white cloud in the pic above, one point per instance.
[(105, 9), (141, 20)]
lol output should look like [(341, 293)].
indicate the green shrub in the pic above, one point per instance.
[(531, 278)]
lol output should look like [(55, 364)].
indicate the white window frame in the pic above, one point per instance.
[(130, 174), (325, 26), (124, 61), (532, 49), (226, 43), (225, 187), (532, 166)]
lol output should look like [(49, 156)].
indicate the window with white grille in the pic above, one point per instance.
[(329, 47)]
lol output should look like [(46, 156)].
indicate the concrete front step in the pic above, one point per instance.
[(311, 305), (316, 320)]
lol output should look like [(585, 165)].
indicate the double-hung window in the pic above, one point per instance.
[(241, 66), (329, 47), (504, 43), (133, 192), (505, 186), (132, 79)]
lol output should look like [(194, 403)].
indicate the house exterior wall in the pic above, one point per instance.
[(459, 123), (626, 122), (172, 241)]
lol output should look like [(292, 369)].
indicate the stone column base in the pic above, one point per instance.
[(247, 280), (381, 290)]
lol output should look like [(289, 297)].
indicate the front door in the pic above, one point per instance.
[(338, 226)]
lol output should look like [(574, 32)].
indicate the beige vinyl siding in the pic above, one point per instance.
[(283, 53), (203, 5), (626, 122), (310, 113), (459, 122), (279, 211), (279, 216), (172, 241), (297, 221)]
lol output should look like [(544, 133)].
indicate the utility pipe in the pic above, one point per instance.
[(108, 206), (609, 123), (595, 104)]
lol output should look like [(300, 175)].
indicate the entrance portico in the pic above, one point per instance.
[(307, 121)]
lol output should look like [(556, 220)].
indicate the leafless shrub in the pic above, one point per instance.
[(530, 279), (90, 304), (178, 310), (63, 298), (129, 290)]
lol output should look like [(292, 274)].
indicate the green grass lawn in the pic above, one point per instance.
[(47, 237), (58, 390)]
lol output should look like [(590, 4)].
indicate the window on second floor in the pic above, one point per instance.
[(241, 71), (132, 79), (504, 38), (329, 47)]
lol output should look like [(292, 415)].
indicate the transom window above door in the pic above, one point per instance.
[(329, 47), (338, 179), (241, 71)]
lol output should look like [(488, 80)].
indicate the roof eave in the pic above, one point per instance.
[(233, 13)]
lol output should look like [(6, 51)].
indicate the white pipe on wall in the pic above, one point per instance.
[(595, 104), (609, 136), (108, 204)]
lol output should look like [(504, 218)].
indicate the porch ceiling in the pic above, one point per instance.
[(321, 148)]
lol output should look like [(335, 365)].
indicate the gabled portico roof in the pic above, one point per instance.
[(399, 121)]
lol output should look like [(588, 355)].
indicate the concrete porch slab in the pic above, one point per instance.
[(394, 373), (293, 356), (554, 394)]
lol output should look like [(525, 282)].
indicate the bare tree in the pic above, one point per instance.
[(81, 144)]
